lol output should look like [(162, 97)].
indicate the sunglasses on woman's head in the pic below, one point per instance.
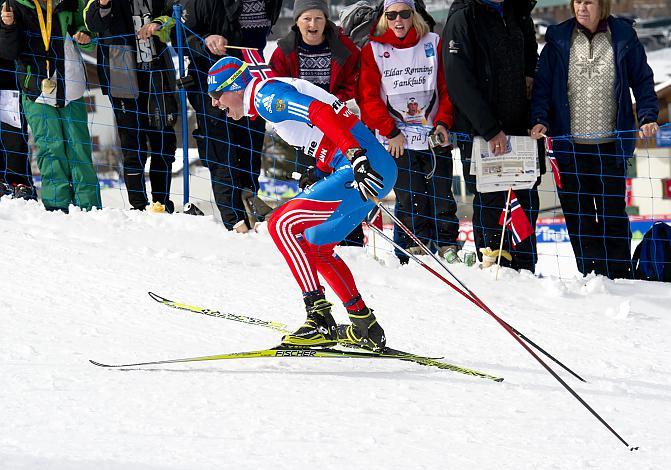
[(405, 14)]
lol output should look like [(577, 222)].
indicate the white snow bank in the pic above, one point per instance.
[(74, 288)]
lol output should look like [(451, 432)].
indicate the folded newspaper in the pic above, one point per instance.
[(10, 113), (517, 168)]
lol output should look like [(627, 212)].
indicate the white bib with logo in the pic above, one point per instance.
[(410, 87)]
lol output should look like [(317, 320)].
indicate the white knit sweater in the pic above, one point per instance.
[(591, 87)]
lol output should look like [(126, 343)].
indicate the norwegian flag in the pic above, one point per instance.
[(257, 66), (377, 220), (553, 162), (517, 222)]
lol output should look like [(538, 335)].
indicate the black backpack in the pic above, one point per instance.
[(359, 20), (652, 257)]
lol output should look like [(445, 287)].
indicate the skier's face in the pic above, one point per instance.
[(311, 24), (399, 18), (231, 103)]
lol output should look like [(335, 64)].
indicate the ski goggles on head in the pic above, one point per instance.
[(405, 14)]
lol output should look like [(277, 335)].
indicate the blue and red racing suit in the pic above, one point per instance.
[(307, 228)]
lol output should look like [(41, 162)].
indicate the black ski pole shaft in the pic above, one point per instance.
[(509, 330), (543, 351), (420, 262), (470, 294)]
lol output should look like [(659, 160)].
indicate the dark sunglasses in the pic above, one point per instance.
[(216, 94), (405, 14)]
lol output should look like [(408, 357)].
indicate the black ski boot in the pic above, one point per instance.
[(23, 191), (364, 331), (319, 329)]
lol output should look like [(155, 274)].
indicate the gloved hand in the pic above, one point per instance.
[(366, 180), (309, 177)]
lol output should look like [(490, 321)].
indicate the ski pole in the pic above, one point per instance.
[(503, 233), (462, 292), (470, 294), (505, 326)]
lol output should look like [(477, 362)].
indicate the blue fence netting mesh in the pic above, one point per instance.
[(139, 128)]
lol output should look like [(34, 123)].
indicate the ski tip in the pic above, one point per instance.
[(99, 364), (499, 379), (632, 448), (156, 297)]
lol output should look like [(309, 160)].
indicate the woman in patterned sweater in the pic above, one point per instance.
[(316, 50), (582, 95)]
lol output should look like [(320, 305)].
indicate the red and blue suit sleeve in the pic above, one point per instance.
[(278, 101)]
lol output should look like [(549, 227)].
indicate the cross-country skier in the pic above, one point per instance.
[(357, 169)]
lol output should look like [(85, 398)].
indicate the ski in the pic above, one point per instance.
[(284, 352), (282, 328)]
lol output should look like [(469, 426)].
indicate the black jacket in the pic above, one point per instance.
[(487, 59), (7, 75), (116, 29), (22, 42), (206, 17), (221, 17)]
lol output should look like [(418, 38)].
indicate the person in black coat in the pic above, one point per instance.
[(138, 76), (230, 150), (489, 51), (16, 178)]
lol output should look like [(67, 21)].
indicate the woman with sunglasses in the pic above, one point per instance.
[(404, 100)]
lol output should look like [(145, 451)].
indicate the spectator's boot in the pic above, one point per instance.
[(6, 189), (364, 331), (23, 191), (449, 254), (490, 257), (135, 185), (256, 208), (241, 226), (161, 180), (319, 328), (157, 206)]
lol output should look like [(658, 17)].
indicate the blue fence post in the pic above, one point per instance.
[(179, 32)]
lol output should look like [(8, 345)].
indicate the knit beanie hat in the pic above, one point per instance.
[(301, 6), (388, 3)]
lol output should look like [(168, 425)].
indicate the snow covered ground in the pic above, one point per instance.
[(74, 288)]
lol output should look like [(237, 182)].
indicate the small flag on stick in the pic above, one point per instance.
[(257, 66), (517, 221), (553, 162)]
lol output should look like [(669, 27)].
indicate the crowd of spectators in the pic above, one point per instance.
[(416, 89)]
